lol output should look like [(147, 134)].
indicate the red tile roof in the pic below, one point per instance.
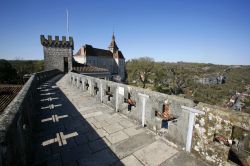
[(83, 68), (91, 51), (7, 94)]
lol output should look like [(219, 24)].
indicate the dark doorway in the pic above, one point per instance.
[(65, 60)]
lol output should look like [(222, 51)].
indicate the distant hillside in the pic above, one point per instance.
[(209, 83), (27, 66), (12, 71)]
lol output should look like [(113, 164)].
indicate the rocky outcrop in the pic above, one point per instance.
[(210, 80)]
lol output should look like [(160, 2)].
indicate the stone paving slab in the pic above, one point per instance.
[(92, 136), (91, 120), (117, 137), (128, 146), (97, 145), (55, 160), (88, 162), (131, 160), (82, 151), (93, 114), (101, 124), (106, 141), (104, 117), (81, 139), (101, 132), (183, 159), (113, 128), (106, 156), (126, 123), (91, 109), (134, 130), (155, 153)]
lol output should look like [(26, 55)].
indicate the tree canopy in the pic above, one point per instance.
[(140, 70), (181, 79), (8, 74)]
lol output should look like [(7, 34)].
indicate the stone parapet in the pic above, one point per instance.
[(16, 121), (143, 105)]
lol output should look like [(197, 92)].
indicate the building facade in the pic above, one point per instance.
[(111, 59)]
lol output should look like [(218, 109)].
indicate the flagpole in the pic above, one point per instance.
[(67, 15)]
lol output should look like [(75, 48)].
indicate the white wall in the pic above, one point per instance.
[(103, 62)]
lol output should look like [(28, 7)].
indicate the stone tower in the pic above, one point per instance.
[(118, 57), (57, 53), (113, 46)]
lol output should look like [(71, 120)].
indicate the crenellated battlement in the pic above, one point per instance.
[(58, 53), (57, 42)]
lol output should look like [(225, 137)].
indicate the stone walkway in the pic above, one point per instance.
[(72, 128)]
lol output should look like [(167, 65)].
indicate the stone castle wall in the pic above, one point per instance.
[(54, 58), (16, 122), (213, 120), (55, 51), (216, 122), (114, 95)]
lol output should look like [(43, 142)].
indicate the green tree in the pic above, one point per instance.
[(26, 67), (7, 73), (140, 70), (177, 83)]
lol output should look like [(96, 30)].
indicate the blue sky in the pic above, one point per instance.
[(208, 31)]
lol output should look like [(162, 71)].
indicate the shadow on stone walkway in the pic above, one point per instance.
[(61, 136)]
